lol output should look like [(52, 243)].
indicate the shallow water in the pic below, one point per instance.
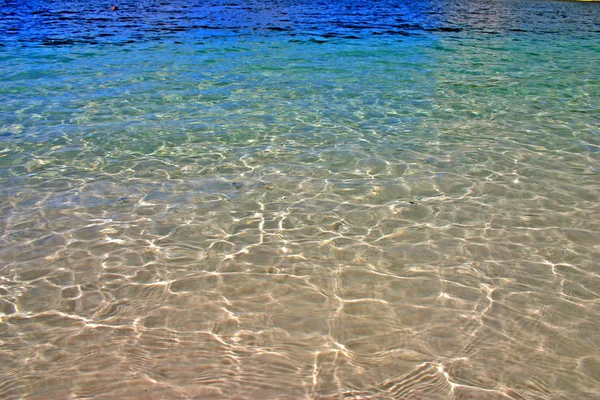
[(297, 200)]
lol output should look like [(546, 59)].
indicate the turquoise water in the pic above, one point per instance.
[(290, 200)]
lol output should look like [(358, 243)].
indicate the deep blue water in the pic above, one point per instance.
[(59, 23)]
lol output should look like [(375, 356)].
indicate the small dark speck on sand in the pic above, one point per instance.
[(266, 186)]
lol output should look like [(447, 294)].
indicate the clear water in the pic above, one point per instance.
[(294, 199)]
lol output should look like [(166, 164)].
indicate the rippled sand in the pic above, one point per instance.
[(388, 279)]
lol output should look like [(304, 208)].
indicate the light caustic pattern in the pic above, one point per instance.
[(389, 239)]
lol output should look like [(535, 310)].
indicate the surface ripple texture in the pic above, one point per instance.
[(298, 199)]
